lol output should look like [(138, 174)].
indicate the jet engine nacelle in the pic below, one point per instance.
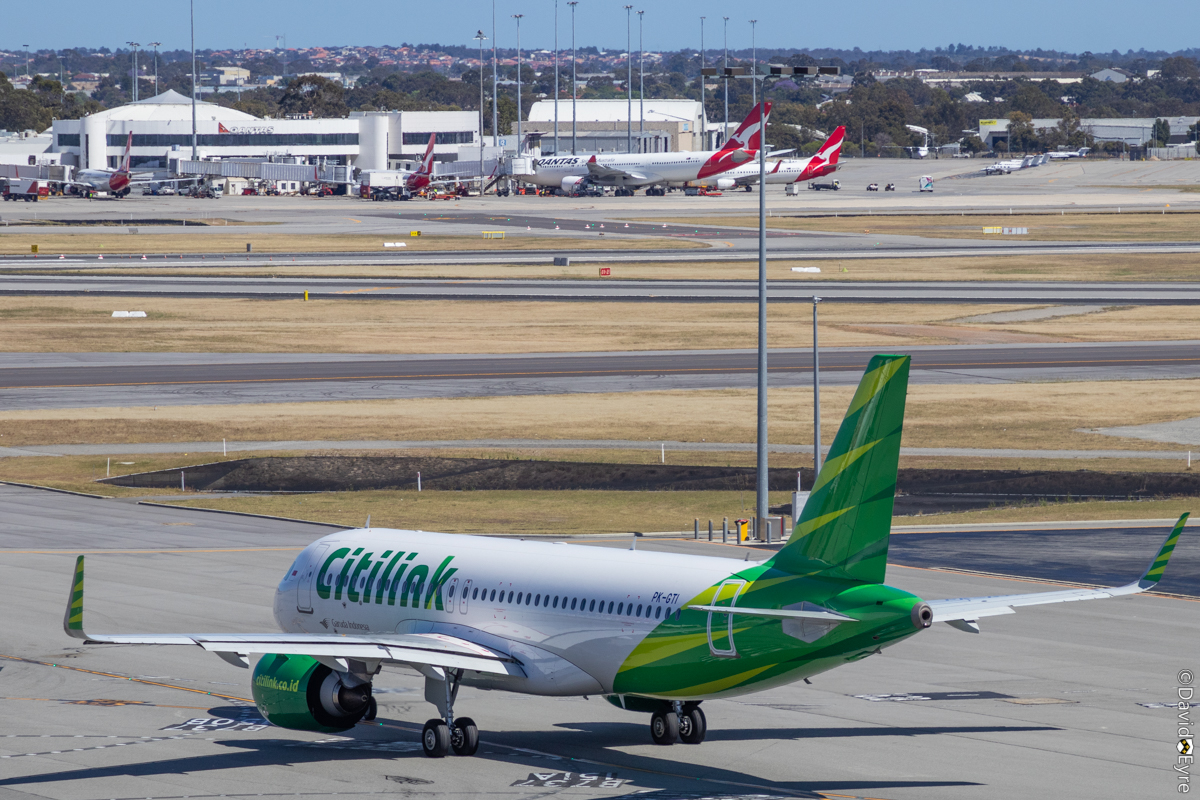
[(726, 183), (300, 693), (572, 183)]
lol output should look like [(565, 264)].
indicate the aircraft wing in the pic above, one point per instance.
[(416, 649), (964, 612), (601, 173)]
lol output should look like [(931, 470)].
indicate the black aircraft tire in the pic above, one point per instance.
[(435, 738), (692, 726), (465, 737), (664, 727)]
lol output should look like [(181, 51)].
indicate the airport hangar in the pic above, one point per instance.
[(162, 133)]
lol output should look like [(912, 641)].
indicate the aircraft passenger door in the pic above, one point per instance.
[(466, 596), (449, 602), (720, 626), (304, 583)]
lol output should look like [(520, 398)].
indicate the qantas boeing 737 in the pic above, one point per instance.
[(115, 182), (787, 170), (629, 171), (656, 633)]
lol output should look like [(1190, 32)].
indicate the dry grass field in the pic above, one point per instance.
[(1142, 226), (85, 324), (1022, 416), (1096, 267), (53, 242)]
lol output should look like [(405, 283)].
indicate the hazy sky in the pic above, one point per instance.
[(669, 24)]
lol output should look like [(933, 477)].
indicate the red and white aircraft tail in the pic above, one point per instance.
[(741, 147), (826, 158), (421, 178), (121, 179), (748, 136)]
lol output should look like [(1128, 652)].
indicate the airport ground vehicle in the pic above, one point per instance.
[(832, 186), (28, 189), (891, 187), (873, 187), (652, 632)]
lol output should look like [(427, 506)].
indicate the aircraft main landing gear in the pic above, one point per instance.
[(683, 722), (439, 736)]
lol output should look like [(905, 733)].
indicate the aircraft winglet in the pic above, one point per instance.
[(73, 618), (1154, 572)]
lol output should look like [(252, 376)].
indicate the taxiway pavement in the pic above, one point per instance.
[(66, 380), (658, 291)]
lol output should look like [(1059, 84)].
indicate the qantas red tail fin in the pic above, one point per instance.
[(748, 136), (426, 167), (125, 161), (832, 148)]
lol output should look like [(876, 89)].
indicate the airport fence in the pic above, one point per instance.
[(1173, 152)]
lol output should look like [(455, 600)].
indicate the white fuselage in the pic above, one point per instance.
[(628, 169), (571, 614)]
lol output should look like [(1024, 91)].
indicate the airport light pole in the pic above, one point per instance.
[(641, 86), (155, 46), (725, 64), (135, 46), (192, 15), (495, 86), (629, 79), (556, 92), (816, 396), (574, 85), (481, 39), (753, 61), (517, 17), (703, 113)]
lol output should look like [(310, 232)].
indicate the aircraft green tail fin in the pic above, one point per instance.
[(844, 528)]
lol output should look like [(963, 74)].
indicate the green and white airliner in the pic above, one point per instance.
[(655, 633)]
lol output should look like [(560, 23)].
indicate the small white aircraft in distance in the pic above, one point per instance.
[(921, 151), (1080, 153), (1012, 165), (651, 632)]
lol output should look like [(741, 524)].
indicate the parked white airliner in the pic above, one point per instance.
[(629, 171), (785, 170)]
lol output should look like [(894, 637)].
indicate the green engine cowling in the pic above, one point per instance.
[(300, 693)]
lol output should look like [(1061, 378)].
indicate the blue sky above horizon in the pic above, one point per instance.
[(669, 24)]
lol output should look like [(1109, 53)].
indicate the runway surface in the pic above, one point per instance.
[(35, 380), (1088, 681), (665, 291)]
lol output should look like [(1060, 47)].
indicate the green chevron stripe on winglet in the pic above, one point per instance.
[(843, 530), (1154, 572), (73, 618)]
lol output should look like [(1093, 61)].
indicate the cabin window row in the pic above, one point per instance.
[(592, 606)]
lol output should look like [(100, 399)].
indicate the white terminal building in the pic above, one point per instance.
[(162, 133), (603, 126)]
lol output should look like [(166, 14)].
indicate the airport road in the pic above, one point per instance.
[(1088, 680), (666, 291), (64, 380)]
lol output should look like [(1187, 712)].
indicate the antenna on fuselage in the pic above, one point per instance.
[(368, 521)]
